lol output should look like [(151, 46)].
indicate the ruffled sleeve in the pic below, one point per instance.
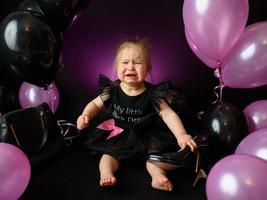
[(176, 98), (105, 89), (179, 101), (160, 91)]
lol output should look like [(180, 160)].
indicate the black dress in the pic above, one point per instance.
[(132, 125)]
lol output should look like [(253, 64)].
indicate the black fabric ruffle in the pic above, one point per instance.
[(105, 88), (160, 91), (175, 97), (180, 103), (104, 84)]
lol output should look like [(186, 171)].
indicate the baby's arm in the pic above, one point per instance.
[(89, 112), (175, 124)]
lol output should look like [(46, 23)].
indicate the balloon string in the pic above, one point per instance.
[(217, 73)]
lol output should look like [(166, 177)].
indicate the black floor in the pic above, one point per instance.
[(74, 176)]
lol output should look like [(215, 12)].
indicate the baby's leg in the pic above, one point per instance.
[(108, 165), (159, 178)]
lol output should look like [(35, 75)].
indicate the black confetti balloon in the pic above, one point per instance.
[(29, 48), (226, 126)]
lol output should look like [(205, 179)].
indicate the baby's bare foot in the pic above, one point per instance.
[(162, 183), (107, 180)]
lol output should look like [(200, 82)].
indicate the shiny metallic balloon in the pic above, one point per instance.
[(226, 126), (29, 48), (237, 177)]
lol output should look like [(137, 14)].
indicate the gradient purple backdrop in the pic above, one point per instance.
[(90, 43), (96, 35)]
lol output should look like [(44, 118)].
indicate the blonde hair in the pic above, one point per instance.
[(140, 43)]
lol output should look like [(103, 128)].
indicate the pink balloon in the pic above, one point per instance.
[(254, 144), (15, 172), (204, 58), (215, 25), (246, 64), (31, 95), (237, 177), (256, 115)]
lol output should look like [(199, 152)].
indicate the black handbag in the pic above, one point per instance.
[(35, 131)]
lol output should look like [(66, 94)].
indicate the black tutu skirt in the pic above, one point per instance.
[(147, 137)]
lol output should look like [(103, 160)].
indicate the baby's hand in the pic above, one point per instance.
[(82, 121), (184, 140)]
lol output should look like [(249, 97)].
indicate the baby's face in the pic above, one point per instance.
[(131, 66)]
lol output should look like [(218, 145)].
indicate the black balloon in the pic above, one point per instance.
[(7, 77), (29, 48), (8, 100), (60, 13), (31, 6), (226, 126)]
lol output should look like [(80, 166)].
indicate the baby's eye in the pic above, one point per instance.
[(125, 62)]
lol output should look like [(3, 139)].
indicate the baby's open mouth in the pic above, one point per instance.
[(131, 75)]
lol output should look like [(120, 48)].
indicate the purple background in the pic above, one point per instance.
[(89, 44)]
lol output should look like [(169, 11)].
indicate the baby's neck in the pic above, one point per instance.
[(132, 90)]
